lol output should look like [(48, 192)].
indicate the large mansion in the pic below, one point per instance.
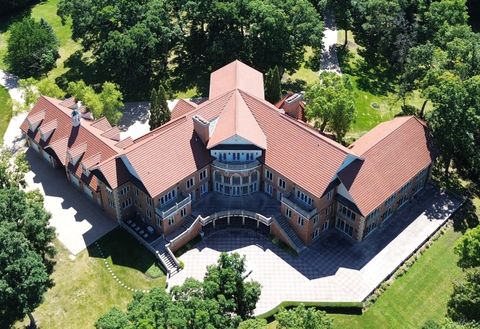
[(235, 156)]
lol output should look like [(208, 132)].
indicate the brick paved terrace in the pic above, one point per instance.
[(334, 268)]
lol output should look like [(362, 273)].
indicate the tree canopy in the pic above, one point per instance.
[(273, 90), (464, 303), (159, 111), (107, 102), (222, 300), (330, 103), (468, 248), (32, 48)]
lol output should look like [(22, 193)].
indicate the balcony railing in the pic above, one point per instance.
[(236, 166), (235, 213), (170, 208), (297, 205)]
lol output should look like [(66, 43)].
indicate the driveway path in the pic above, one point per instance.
[(329, 58), (334, 269)]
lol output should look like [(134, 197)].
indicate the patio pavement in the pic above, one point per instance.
[(334, 268)]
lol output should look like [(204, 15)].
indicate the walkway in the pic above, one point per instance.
[(334, 269), (329, 58)]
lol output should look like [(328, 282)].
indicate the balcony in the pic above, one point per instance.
[(236, 166), (171, 207), (300, 207)]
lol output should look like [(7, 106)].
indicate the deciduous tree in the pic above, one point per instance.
[(23, 276), (464, 303), (468, 248), (330, 103), (32, 48)]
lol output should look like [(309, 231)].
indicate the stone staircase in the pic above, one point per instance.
[(288, 230), (168, 262)]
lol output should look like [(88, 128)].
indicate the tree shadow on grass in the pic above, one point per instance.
[(79, 68), (294, 86), (124, 251)]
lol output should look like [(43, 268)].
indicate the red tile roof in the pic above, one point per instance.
[(392, 153), (85, 139), (236, 75), (182, 107)]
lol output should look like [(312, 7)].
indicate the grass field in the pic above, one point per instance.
[(5, 110), (84, 288)]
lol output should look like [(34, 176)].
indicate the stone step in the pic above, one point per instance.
[(285, 226)]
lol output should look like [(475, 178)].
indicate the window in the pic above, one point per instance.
[(124, 190), (330, 195), (389, 201), (370, 227), (111, 204), (304, 198), (149, 213), (300, 220), (149, 201), (315, 219), (190, 182), (325, 225), (345, 227), (183, 212), (203, 174), (373, 214), (268, 174), (347, 213), (288, 213), (281, 183), (204, 188), (171, 221), (236, 180), (315, 234), (136, 191), (268, 189), (168, 197), (126, 203)]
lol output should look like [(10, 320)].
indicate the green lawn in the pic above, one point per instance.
[(48, 11), (84, 288), (419, 295), (5, 110)]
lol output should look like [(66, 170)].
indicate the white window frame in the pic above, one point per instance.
[(282, 183), (268, 175), (190, 183)]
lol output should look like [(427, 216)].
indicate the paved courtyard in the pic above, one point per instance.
[(334, 268), (77, 220)]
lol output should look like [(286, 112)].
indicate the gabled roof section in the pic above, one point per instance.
[(102, 124), (182, 107), (236, 75), (391, 154), (48, 127), (237, 120)]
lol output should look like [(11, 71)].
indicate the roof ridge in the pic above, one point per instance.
[(86, 126), (304, 127), (383, 138)]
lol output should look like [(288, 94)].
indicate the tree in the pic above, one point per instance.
[(120, 33), (225, 282), (12, 6), (13, 168), (163, 106), (33, 88), (464, 303), (263, 34), (23, 277), (154, 110), (303, 318), (468, 248), (330, 103), (449, 324), (32, 48), (272, 85), (106, 103), (343, 16), (221, 301)]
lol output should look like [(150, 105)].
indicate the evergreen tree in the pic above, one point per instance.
[(154, 110), (272, 85), (163, 106)]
